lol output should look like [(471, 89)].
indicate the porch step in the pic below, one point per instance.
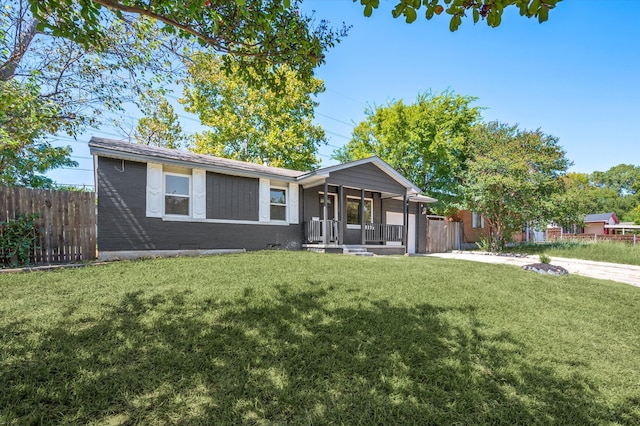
[(357, 251)]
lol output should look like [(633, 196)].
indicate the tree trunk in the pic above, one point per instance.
[(8, 69)]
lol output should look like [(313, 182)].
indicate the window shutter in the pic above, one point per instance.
[(293, 203), (199, 194), (154, 190), (264, 209)]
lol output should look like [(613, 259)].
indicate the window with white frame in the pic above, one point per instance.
[(278, 203), (477, 221), (353, 210), (177, 194)]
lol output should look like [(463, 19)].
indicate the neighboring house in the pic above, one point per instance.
[(475, 229), (160, 201), (595, 223)]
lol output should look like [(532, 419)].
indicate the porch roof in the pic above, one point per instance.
[(320, 175)]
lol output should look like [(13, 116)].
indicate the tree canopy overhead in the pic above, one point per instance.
[(258, 34), (489, 10), (426, 141), (51, 84), (252, 123), (25, 155)]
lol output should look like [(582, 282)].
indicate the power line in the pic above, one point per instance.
[(337, 134), (347, 97), (76, 169), (334, 119)]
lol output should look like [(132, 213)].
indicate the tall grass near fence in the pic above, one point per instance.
[(602, 251)]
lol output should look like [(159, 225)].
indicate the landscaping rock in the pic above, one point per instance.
[(545, 268)]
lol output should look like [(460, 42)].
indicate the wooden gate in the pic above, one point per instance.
[(442, 235), (66, 222)]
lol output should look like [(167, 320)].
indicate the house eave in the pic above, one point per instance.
[(190, 163)]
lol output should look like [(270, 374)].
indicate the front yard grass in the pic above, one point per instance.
[(304, 338), (601, 251)]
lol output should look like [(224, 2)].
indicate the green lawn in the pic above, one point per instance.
[(305, 338), (602, 251)]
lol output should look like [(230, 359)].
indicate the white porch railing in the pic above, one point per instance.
[(374, 232), (314, 231), (382, 232)]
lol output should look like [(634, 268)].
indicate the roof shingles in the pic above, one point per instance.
[(114, 147)]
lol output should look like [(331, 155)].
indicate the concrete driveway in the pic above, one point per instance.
[(628, 274)]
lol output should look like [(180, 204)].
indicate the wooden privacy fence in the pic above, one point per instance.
[(66, 222), (442, 235)]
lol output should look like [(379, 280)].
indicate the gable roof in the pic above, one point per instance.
[(600, 217), (377, 161), (151, 154)]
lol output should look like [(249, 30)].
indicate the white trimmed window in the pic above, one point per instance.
[(477, 221), (353, 211), (278, 203), (177, 194)]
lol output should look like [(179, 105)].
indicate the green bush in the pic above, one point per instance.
[(18, 239), (545, 258)]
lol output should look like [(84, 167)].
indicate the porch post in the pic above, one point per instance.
[(325, 214), (341, 207), (363, 236), (405, 222)]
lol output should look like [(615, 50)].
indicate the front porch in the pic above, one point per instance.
[(362, 204)]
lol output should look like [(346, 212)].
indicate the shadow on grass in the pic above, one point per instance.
[(293, 359)]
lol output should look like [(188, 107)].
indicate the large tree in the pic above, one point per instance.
[(513, 178), (25, 154), (426, 141), (252, 123), (84, 81), (618, 190), (70, 86), (160, 125)]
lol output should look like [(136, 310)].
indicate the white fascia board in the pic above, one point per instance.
[(308, 181)]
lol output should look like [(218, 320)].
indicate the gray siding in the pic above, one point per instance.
[(123, 225), (390, 205), (421, 227), (232, 197), (366, 176)]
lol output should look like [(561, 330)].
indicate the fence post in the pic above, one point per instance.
[(634, 239)]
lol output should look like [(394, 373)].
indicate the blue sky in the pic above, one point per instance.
[(576, 76)]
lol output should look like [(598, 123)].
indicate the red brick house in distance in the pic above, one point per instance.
[(474, 227), (595, 223)]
